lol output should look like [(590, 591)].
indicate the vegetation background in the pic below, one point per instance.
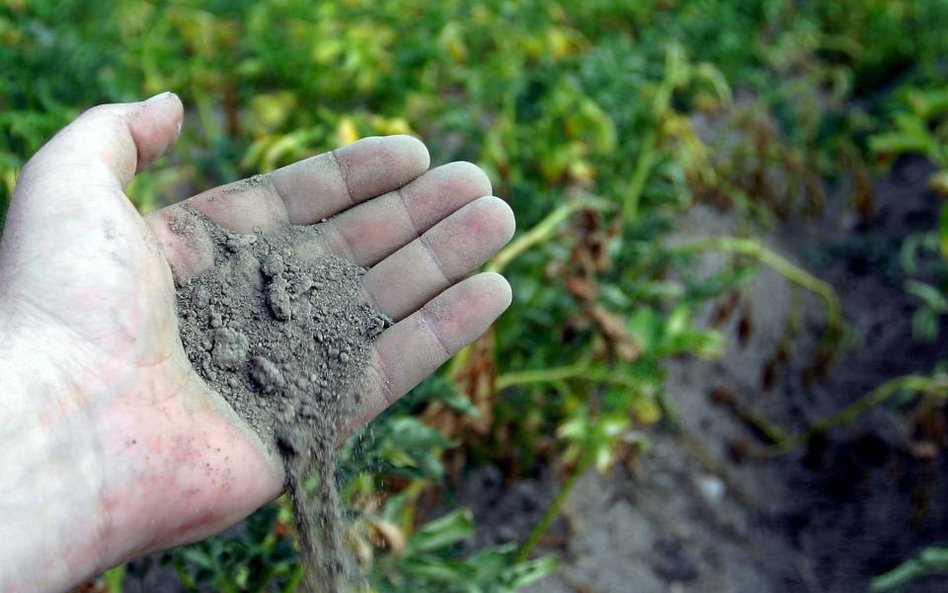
[(587, 116)]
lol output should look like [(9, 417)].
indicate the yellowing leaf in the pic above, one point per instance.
[(393, 537), (270, 111), (346, 131), (646, 411), (388, 126), (939, 183), (452, 40)]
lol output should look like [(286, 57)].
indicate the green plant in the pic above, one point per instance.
[(932, 560), (920, 126), (590, 117), (428, 562), (262, 557), (924, 260)]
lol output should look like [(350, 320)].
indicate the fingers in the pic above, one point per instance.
[(301, 193), (363, 234), (413, 348), (325, 185), (103, 148), (68, 199), (446, 253), (371, 231), (312, 189)]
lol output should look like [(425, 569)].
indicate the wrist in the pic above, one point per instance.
[(48, 515)]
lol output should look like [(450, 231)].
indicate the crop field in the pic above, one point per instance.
[(702, 188)]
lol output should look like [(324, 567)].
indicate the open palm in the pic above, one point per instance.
[(145, 453)]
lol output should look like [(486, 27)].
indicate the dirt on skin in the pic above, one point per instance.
[(283, 333)]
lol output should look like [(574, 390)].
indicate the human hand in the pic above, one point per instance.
[(109, 437)]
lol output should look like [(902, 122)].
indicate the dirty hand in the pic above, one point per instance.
[(110, 445)]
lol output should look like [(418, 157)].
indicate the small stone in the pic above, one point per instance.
[(279, 299), (712, 488), (236, 242), (266, 374), (273, 265), (202, 298), (230, 348), (374, 325), (303, 282)]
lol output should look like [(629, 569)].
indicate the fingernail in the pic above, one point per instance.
[(159, 97)]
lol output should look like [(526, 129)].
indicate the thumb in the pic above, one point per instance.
[(103, 148), (77, 179)]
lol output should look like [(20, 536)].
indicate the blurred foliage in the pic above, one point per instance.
[(930, 561), (919, 126), (600, 122)]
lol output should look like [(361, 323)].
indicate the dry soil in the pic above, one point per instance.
[(283, 333)]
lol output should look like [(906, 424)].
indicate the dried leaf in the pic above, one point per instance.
[(613, 328), (389, 533)]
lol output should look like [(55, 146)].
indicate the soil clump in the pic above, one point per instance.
[(283, 333)]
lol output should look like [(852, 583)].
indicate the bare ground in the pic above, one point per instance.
[(706, 510)]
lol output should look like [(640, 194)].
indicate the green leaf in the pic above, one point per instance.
[(113, 579), (896, 143), (526, 573), (459, 403), (442, 532), (438, 570), (645, 325), (931, 296)]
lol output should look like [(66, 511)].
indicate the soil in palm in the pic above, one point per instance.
[(283, 333)]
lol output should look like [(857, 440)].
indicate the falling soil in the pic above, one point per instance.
[(283, 333)]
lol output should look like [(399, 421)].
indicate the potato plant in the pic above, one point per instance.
[(586, 116)]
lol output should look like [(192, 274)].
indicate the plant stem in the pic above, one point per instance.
[(931, 560), (643, 168), (554, 509), (578, 370), (661, 107), (549, 375), (757, 421), (789, 270), (937, 385), (539, 233)]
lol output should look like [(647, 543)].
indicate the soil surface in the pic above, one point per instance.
[(283, 334), (707, 508)]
